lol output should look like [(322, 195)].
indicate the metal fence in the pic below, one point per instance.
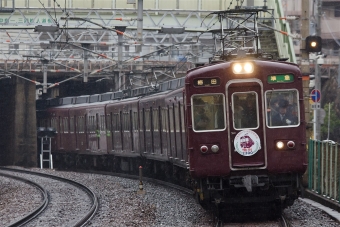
[(323, 169)]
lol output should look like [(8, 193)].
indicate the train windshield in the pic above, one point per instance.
[(245, 110), (208, 112), (282, 108)]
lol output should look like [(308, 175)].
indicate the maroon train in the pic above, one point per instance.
[(217, 128)]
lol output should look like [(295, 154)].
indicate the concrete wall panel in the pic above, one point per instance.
[(18, 135), (188, 5), (166, 4)]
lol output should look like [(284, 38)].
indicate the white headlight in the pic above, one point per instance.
[(237, 68), (248, 67), (243, 68), (279, 144)]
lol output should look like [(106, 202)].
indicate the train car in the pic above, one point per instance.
[(80, 132), (121, 121), (153, 121), (177, 128), (237, 128), (238, 151), (59, 119)]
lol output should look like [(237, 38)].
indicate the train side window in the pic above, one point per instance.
[(95, 125), (65, 122), (108, 124), (126, 121), (77, 125), (182, 116), (90, 124), (147, 119), (60, 123), (171, 119), (155, 119), (102, 123), (141, 122), (282, 108), (71, 124), (116, 122), (54, 124), (245, 110), (164, 119), (177, 117), (208, 112), (80, 124), (135, 121)]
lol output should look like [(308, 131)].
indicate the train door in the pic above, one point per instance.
[(73, 137), (182, 133), (127, 131), (98, 130), (172, 140), (86, 132), (142, 131), (117, 134), (109, 133), (164, 131), (136, 145), (92, 131), (61, 132), (157, 146), (148, 131), (246, 113)]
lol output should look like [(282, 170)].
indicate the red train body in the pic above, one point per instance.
[(250, 156), (220, 126)]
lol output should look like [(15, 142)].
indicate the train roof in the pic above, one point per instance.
[(108, 97)]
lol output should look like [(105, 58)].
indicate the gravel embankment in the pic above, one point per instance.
[(120, 205)]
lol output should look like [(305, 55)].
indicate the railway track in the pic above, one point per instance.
[(281, 222), (55, 187), (140, 208), (284, 221), (42, 206)]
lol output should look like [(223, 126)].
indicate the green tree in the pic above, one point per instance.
[(334, 124)]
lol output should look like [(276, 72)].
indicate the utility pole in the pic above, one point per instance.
[(86, 61), (121, 77), (304, 67), (139, 26), (317, 134), (305, 70)]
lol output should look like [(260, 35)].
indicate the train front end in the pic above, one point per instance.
[(246, 132)]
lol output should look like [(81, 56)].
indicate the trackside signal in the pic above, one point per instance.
[(313, 43)]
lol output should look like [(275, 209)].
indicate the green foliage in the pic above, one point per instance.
[(334, 124)]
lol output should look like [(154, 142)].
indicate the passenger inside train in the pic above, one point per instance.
[(282, 108), (283, 117), (208, 112)]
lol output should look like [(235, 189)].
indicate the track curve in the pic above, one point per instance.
[(81, 222)]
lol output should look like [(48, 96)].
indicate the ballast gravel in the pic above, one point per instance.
[(121, 205)]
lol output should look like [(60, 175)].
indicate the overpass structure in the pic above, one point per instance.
[(49, 50), (66, 41)]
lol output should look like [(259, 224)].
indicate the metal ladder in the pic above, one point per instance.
[(46, 143)]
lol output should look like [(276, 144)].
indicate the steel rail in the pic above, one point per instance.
[(95, 204), (284, 222), (36, 211)]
